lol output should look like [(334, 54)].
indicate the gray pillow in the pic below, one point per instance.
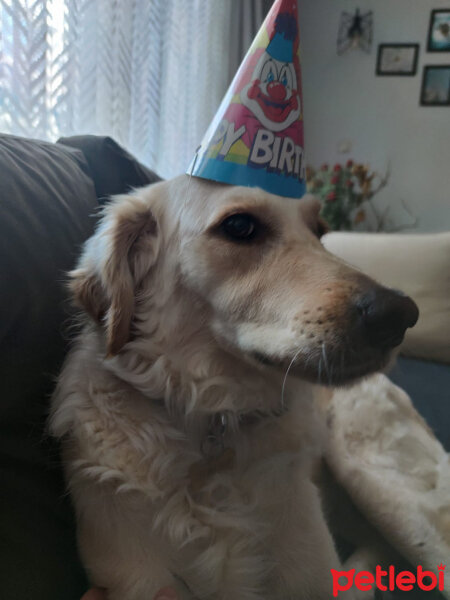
[(113, 169), (49, 199), (47, 203)]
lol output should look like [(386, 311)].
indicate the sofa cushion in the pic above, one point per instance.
[(48, 204), (428, 385), (113, 169), (418, 264), (47, 199)]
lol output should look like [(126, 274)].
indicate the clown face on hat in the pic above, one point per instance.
[(272, 94), (256, 136)]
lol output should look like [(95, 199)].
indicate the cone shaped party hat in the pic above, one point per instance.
[(256, 136)]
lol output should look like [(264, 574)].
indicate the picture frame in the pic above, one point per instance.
[(435, 86), (439, 31), (397, 60)]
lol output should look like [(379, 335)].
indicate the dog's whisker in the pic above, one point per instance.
[(331, 366), (310, 358), (325, 362), (286, 376)]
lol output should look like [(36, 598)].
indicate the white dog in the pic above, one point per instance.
[(188, 446)]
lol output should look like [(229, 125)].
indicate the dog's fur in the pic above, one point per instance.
[(186, 324)]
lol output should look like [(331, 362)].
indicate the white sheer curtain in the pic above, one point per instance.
[(150, 73)]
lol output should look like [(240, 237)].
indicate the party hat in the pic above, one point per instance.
[(256, 136)]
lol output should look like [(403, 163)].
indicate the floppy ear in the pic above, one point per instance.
[(113, 264), (310, 207), (322, 227)]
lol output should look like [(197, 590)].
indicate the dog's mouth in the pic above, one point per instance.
[(331, 369), (347, 374), (376, 323)]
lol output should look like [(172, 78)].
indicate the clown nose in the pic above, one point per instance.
[(276, 91)]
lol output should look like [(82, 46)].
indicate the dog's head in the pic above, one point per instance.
[(243, 269)]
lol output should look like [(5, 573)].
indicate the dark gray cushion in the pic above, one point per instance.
[(47, 199), (428, 385), (113, 169), (48, 205)]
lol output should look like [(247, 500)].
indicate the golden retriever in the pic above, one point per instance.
[(185, 408)]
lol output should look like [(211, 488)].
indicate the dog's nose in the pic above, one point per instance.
[(386, 315)]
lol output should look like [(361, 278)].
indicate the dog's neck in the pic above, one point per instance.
[(207, 393), (175, 358), (202, 378)]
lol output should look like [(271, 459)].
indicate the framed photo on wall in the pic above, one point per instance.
[(439, 31), (397, 59), (435, 86)]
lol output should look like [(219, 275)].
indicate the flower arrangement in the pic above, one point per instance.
[(346, 192)]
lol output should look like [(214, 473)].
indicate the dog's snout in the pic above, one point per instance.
[(386, 315)]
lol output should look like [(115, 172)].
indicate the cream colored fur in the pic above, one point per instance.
[(396, 473), (178, 318)]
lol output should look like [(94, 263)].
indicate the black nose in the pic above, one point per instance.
[(386, 314)]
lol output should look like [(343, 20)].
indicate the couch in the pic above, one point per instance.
[(50, 199)]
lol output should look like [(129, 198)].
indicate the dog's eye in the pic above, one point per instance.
[(240, 227)]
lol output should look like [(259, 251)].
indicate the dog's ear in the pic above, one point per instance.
[(322, 227), (310, 208), (114, 262)]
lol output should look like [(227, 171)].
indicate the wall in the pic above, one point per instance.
[(379, 116)]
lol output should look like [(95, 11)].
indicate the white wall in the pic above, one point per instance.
[(380, 116)]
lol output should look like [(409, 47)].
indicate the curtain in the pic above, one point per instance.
[(150, 73)]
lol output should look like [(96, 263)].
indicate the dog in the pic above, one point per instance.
[(185, 409)]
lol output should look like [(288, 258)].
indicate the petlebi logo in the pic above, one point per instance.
[(388, 580)]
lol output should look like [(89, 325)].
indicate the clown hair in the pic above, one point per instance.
[(286, 24)]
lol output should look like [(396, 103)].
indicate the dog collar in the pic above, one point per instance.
[(216, 456), (213, 444)]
